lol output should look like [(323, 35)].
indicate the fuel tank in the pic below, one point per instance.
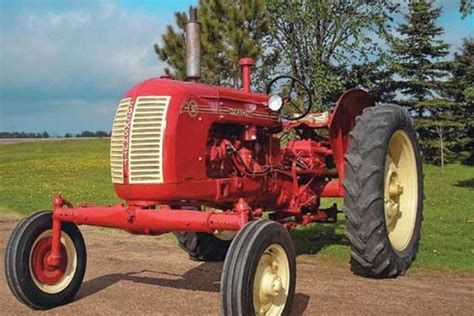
[(159, 134)]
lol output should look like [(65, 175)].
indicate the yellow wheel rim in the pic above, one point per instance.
[(71, 264), (272, 281), (400, 190)]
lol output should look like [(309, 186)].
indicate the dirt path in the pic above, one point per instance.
[(150, 275)]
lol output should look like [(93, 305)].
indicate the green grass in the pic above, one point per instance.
[(448, 227), (32, 173)]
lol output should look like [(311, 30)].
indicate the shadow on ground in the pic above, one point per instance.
[(313, 238), (205, 277), (469, 183), (300, 303)]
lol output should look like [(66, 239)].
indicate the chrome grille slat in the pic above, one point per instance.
[(145, 177), (146, 139), (145, 120), (145, 161)]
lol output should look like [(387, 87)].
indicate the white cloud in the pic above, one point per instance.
[(105, 45), (91, 54)]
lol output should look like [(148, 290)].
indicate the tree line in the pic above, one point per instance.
[(47, 135), (394, 51)]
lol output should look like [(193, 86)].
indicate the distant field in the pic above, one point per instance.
[(32, 173), (8, 141)]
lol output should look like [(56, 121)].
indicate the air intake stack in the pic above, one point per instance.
[(193, 46)]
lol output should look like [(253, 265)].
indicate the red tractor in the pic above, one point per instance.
[(229, 171)]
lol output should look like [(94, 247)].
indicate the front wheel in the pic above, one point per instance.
[(259, 272), (30, 278), (383, 198)]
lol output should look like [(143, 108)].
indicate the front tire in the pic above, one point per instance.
[(383, 198), (259, 274), (28, 276)]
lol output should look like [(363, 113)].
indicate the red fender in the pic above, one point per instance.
[(342, 121)]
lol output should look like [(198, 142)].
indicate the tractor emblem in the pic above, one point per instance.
[(193, 109)]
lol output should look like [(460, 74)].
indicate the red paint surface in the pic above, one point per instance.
[(145, 220), (246, 64)]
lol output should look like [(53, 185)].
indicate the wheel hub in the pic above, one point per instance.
[(392, 199), (271, 282), (47, 278), (44, 272)]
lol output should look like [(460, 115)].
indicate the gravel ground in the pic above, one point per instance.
[(150, 275)]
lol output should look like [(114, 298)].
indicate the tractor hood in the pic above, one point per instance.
[(160, 114)]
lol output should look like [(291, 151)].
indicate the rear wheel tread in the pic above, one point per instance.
[(371, 251)]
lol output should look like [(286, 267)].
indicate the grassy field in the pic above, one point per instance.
[(32, 173)]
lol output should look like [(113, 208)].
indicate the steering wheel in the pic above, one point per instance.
[(295, 94)]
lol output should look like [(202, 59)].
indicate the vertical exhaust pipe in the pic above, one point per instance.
[(193, 46)]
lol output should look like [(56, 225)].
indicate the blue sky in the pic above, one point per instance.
[(65, 64)]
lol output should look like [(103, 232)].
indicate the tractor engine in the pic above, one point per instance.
[(306, 156), (235, 150)]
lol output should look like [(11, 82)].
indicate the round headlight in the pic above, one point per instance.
[(275, 102)]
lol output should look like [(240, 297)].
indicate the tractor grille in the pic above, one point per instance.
[(146, 139), (116, 141)]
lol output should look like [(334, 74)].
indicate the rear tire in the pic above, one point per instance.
[(202, 246), (28, 277), (259, 274), (383, 199)]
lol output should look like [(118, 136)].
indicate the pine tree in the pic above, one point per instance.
[(230, 29), (419, 53), (374, 76), (460, 88), (466, 8)]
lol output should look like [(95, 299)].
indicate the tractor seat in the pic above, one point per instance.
[(313, 120)]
